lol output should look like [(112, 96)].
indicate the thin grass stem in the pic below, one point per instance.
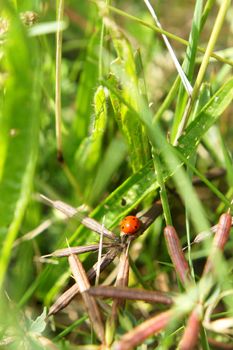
[(168, 34), (163, 192), (58, 82), (205, 61)]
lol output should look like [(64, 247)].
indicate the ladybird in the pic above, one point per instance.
[(130, 225)]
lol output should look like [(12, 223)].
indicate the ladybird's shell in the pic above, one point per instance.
[(130, 225)]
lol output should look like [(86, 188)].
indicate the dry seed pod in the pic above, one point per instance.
[(190, 336), (220, 239), (223, 231), (29, 18), (138, 334), (131, 294), (206, 234), (176, 254)]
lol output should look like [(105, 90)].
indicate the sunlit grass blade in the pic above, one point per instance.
[(205, 61), (58, 119), (129, 123), (87, 81), (19, 125), (90, 150), (188, 65), (180, 71), (108, 166), (168, 34)]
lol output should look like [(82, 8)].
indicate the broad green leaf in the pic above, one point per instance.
[(85, 92), (108, 168), (19, 127), (38, 326), (125, 71), (90, 150)]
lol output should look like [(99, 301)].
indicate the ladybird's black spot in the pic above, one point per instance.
[(123, 201), (135, 227)]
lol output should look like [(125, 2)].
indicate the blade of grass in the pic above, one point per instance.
[(163, 192), (108, 167), (169, 35), (19, 124), (58, 119), (188, 65), (129, 123), (70, 328), (205, 61), (180, 71)]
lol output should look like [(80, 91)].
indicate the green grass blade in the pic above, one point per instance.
[(90, 150), (19, 125), (87, 81), (188, 142), (188, 65), (129, 123), (107, 168)]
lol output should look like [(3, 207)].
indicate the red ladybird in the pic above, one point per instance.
[(130, 225)]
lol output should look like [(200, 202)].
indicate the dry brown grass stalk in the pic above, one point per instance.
[(138, 334), (68, 295), (64, 252), (131, 294), (70, 212), (190, 336), (90, 303)]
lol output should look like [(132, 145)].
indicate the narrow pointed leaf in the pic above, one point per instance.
[(19, 127)]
